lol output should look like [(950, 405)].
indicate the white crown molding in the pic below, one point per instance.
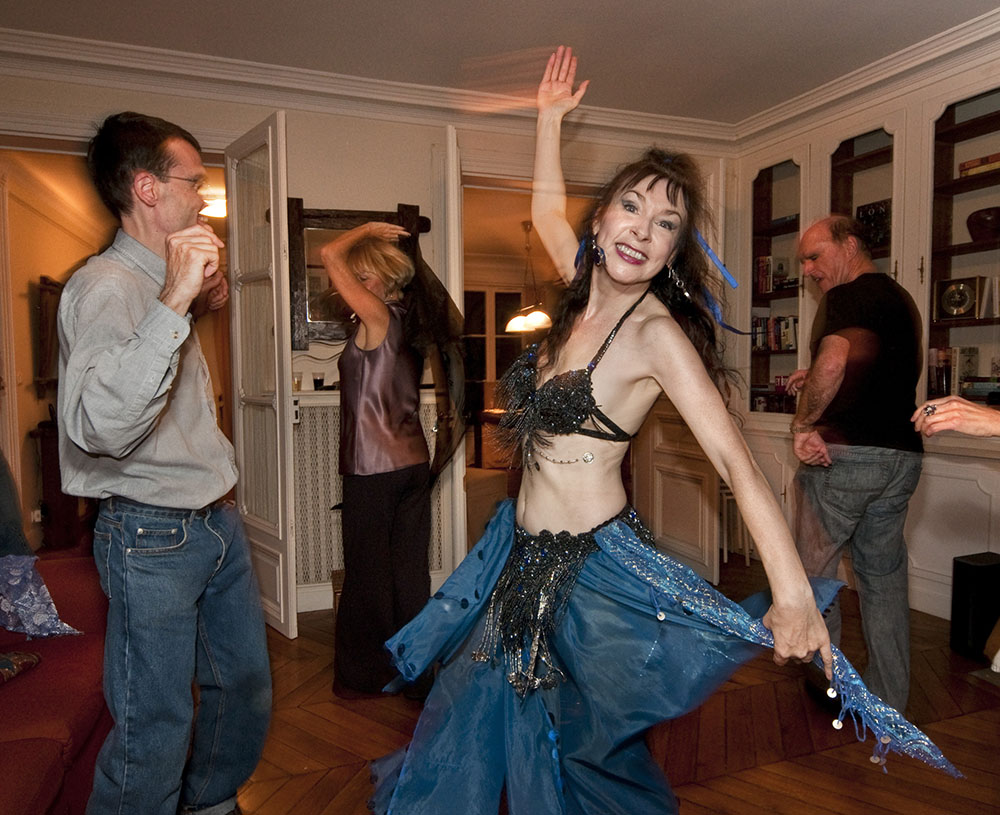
[(115, 65), (34, 55)]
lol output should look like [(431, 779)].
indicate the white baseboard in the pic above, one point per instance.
[(314, 596), (931, 593)]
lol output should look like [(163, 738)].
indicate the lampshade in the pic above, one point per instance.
[(537, 319), (517, 324)]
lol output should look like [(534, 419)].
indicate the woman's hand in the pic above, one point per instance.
[(799, 632), (956, 413), (555, 93)]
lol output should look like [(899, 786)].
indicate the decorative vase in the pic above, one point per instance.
[(984, 224)]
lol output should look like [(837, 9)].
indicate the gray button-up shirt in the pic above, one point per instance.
[(136, 408)]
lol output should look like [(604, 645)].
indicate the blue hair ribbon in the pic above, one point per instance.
[(715, 259), (713, 306)]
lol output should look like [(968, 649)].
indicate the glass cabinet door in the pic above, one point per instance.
[(964, 316), (775, 283), (861, 186)]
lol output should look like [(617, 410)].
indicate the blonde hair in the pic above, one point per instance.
[(383, 259)]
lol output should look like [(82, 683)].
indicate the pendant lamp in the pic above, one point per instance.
[(533, 317)]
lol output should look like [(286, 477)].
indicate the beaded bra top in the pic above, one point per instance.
[(560, 407)]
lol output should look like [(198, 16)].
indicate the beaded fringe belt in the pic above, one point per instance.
[(533, 588)]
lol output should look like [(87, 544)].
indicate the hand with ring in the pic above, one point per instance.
[(955, 413)]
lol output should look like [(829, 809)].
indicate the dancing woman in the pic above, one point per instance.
[(559, 649)]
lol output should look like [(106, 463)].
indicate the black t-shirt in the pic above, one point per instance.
[(878, 395)]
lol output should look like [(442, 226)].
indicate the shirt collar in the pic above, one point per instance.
[(140, 257)]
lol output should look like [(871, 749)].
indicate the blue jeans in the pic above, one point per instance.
[(860, 501), (184, 609)]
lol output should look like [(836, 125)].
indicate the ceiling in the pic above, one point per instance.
[(716, 60)]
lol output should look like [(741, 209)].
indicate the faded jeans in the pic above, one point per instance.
[(860, 501), (184, 608)]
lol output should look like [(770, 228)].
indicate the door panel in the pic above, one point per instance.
[(256, 193)]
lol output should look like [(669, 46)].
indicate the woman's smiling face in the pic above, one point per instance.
[(640, 230)]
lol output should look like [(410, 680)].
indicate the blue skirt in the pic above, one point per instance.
[(641, 639)]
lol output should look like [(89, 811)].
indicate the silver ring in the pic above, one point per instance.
[(930, 410)]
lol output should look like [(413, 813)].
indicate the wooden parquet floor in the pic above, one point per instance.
[(760, 744)]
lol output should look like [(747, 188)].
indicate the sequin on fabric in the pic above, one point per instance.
[(559, 407), (533, 588)]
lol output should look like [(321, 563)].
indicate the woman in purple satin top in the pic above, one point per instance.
[(383, 459)]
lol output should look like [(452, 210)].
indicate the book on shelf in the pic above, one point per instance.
[(982, 168), (977, 388), (964, 363), (979, 165), (763, 280), (774, 274), (774, 333), (949, 368), (989, 301)]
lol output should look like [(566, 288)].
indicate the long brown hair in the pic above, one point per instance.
[(690, 264)]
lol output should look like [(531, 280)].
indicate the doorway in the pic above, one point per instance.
[(499, 259)]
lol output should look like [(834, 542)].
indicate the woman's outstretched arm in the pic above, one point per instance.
[(794, 620), (555, 99)]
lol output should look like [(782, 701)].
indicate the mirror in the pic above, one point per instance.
[(318, 313)]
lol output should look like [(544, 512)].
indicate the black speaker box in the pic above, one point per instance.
[(975, 602)]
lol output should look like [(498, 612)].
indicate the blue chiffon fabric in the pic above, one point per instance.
[(642, 639)]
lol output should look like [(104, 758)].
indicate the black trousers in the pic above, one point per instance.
[(386, 523)]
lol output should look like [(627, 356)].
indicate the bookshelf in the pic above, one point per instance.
[(964, 310), (775, 288)]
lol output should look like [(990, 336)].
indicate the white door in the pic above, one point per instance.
[(256, 193)]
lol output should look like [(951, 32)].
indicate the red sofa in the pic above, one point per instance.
[(53, 719)]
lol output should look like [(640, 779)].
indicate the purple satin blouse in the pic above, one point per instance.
[(380, 404)]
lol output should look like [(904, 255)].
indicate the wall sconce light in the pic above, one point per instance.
[(215, 207)]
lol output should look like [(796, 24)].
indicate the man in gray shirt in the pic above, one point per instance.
[(138, 431)]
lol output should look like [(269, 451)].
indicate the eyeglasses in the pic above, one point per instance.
[(197, 182)]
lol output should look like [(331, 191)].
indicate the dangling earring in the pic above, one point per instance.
[(598, 253), (676, 280), (588, 243)]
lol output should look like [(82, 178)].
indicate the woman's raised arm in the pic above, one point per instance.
[(371, 310), (555, 99)]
